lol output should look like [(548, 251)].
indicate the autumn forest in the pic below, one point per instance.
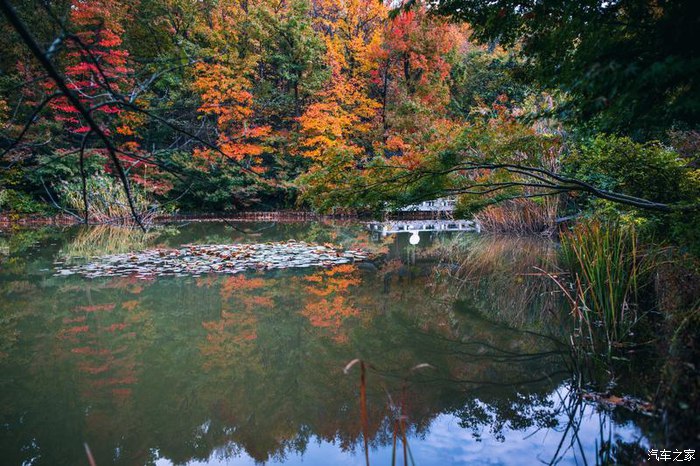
[(227, 105), (374, 231)]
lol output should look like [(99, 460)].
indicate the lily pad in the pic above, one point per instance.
[(196, 260)]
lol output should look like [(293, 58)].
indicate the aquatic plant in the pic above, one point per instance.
[(106, 201), (520, 216), (608, 268), (398, 418), (216, 258)]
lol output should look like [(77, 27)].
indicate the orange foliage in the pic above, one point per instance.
[(341, 269), (89, 369), (254, 302), (344, 112), (224, 86), (329, 304), (90, 351), (67, 320), (116, 326), (226, 94), (232, 336), (329, 314), (228, 338), (415, 74), (95, 308), (206, 281), (108, 382), (80, 329), (103, 352), (122, 393), (237, 283)]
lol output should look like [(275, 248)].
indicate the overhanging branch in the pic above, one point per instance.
[(53, 73)]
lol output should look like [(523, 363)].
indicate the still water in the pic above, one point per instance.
[(462, 343)]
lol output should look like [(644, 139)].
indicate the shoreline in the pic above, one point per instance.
[(9, 221)]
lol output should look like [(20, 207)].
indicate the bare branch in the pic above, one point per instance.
[(83, 179)]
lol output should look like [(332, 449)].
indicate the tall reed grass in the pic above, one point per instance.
[(4, 247), (520, 216), (107, 201), (608, 268)]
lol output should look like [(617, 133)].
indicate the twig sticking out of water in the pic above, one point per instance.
[(90, 458), (363, 403)]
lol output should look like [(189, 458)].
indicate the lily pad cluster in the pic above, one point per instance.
[(197, 260)]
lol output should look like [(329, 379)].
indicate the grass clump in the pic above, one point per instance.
[(519, 216), (608, 269), (107, 202)]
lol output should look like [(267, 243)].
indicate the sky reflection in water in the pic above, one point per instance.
[(448, 443)]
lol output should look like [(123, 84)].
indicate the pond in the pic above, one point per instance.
[(253, 367)]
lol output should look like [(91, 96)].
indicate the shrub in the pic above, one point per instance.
[(650, 171), (20, 202)]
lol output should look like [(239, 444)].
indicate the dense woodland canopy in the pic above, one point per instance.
[(242, 97), (554, 106), (628, 66)]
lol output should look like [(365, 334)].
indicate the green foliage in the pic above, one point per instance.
[(411, 95), (497, 136), (479, 77), (628, 66), (293, 61), (646, 170), (16, 192), (649, 170), (378, 187), (336, 184), (202, 186), (468, 205), (21, 202), (60, 166), (685, 231)]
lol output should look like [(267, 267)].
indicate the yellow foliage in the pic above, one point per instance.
[(344, 113)]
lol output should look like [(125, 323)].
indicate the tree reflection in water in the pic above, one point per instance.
[(191, 369)]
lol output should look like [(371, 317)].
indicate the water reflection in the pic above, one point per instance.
[(249, 368), (106, 240), (506, 279)]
